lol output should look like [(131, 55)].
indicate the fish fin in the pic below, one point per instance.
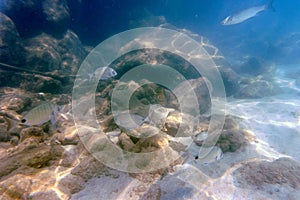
[(53, 117), (11, 123), (269, 6)]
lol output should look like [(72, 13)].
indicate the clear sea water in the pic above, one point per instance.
[(272, 37)]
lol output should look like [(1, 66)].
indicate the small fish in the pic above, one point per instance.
[(214, 154), (246, 14), (37, 116), (104, 72)]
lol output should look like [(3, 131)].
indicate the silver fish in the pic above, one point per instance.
[(41, 114), (246, 14), (214, 154), (104, 73), (37, 116)]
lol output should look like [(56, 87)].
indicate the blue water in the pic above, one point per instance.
[(272, 38), (96, 20)]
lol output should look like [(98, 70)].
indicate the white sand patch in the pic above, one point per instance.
[(275, 121)]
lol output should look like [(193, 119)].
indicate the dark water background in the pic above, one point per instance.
[(272, 36), (263, 35)]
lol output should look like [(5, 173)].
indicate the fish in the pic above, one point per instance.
[(213, 155), (246, 14), (104, 73), (37, 116)]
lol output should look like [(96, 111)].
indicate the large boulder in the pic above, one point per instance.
[(72, 52), (57, 16), (253, 66), (42, 54), (11, 48), (26, 14), (279, 179), (46, 53), (35, 16)]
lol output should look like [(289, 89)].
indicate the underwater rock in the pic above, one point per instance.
[(69, 137), (11, 47), (45, 195), (15, 187), (35, 156), (48, 16), (257, 89), (7, 136), (194, 95), (46, 53), (253, 66), (125, 142), (42, 84), (231, 123), (71, 184), (154, 192), (151, 144), (57, 16), (179, 189), (231, 140), (47, 85), (18, 103), (149, 56), (157, 115), (230, 80), (153, 94), (58, 57), (88, 167), (22, 12), (35, 133), (14, 99), (177, 121), (147, 144), (281, 175), (72, 53), (42, 54), (142, 97), (144, 131), (28, 183)]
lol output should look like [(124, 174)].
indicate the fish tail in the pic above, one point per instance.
[(269, 5), (11, 123)]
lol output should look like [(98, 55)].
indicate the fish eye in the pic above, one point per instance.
[(196, 157), (23, 120)]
